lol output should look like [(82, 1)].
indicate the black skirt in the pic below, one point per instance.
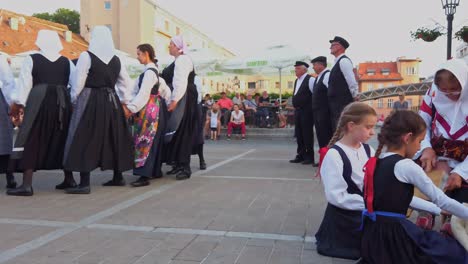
[(198, 135), (153, 164), (180, 147), (392, 240), (44, 146), (99, 134), (4, 163), (339, 235)]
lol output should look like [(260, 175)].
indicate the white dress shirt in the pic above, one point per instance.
[(143, 92), (346, 67), (25, 80), (299, 83), (407, 171), (183, 67), (123, 86)]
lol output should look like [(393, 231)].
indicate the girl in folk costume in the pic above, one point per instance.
[(390, 179), (42, 90), (149, 126), (198, 137), (342, 175), (445, 112), (99, 134), (180, 77), (7, 84)]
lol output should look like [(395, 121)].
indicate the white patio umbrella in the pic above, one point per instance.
[(204, 60), (274, 57)]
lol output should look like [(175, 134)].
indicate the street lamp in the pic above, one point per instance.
[(450, 7)]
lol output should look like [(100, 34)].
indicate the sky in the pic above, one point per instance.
[(377, 30)]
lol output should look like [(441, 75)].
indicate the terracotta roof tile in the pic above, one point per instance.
[(22, 40), (366, 69)]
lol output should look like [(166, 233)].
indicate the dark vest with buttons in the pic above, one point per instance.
[(337, 86), (303, 97), (320, 94)]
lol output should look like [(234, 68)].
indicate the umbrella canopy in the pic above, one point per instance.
[(264, 61), (204, 60)]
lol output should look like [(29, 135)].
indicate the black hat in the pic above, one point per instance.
[(301, 63), (321, 59), (340, 40)]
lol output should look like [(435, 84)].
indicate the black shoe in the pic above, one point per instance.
[(21, 191), (11, 184), (113, 182), (65, 185), (79, 190), (183, 174), (307, 162), (174, 170), (296, 160), (142, 181), (202, 166)]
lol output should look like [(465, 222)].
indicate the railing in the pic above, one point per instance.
[(407, 89)]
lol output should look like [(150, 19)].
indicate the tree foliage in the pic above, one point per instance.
[(65, 16)]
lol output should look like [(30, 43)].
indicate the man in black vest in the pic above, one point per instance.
[(303, 116), (320, 107), (342, 85)]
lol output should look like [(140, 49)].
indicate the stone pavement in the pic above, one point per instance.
[(250, 206)]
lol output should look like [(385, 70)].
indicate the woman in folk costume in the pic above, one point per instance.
[(149, 107), (42, 91), (445, 112), (99, 133), (7, 84), (180, 77), (199, 137)]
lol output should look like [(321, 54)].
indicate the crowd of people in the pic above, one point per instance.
[(78, 118)]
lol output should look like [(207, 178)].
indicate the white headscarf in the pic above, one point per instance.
[(180, 43), (454, 112), (101, 43), (49, 43)]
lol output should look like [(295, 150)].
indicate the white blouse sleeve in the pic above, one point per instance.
[(326, 78), (183, 67), (198, 83), (427, 117), (164, 91), (123, 86), (423, 205), (7, 80), (335, 186), (409, 172), (80, 75), (462, 169), (25, 82), (141, 99), (72, 70)]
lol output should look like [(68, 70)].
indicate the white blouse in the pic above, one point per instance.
[(142, 94), (407, 171), (123, 86), (7, 81), (25, 80), (183, 67)]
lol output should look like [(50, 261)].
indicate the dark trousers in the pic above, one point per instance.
[(304, 130), (323, 126), (336, 106)]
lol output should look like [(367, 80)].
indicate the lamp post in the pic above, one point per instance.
[(450, 7)]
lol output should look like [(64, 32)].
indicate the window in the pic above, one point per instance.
[(390, 103), (370, 72), (380, 103), (385, 71), (109, 26), (370, 86), (177, 30), (166, 26), (381, 85), (107, 5), (411, 71), (410, 103), (251, 85), (369, 103), (277, 85), (290, 85)]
